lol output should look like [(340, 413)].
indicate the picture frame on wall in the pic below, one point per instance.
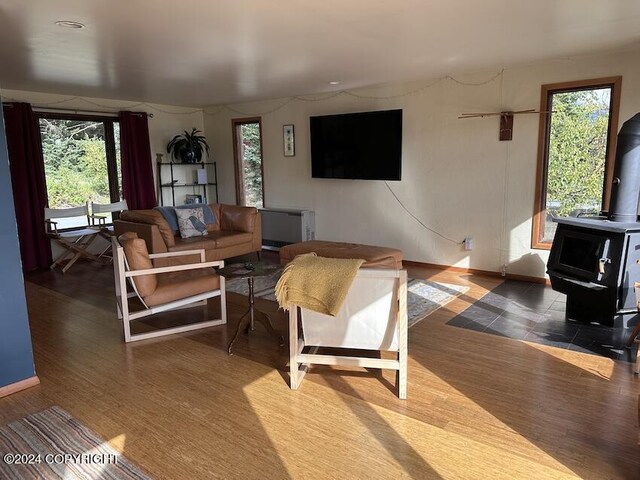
[(289, 141)]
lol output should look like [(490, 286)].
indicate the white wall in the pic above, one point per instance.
[(456, 176)]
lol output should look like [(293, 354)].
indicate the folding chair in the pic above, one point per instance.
[(373, 317), (99, 219), (99, 209), (160, 289), (74, 242)]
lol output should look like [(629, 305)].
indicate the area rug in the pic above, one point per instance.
[(423, 296), (53, 445)]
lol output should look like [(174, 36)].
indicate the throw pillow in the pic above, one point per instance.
[(169, 214), (191, 222)]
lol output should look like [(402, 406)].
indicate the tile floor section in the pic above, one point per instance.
[(535, 313)]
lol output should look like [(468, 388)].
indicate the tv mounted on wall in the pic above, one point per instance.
[(362, 146)]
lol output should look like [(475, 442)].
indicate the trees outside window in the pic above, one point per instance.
[(247, 142), (81, 160), (576, 150)]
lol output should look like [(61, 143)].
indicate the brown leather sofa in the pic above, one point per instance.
[(237, 231)]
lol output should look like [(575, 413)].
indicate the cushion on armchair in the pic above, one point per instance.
[(135, 251), (177, 285)]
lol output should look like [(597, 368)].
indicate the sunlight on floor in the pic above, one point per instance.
[(329, 411), (600, 366), (293, 440), (113, 447), (118, 442)]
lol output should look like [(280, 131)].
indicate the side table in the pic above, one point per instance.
[(250, 271)]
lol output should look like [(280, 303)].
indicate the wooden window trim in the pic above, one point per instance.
[(539, 210), (235, 123)]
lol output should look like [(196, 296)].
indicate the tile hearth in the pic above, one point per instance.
[(535, 313)]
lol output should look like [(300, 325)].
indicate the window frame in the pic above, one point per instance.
[(235, 123), (110, 148), (539, 208)]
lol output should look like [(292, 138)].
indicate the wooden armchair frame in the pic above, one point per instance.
[(122, 273), (299, 363)]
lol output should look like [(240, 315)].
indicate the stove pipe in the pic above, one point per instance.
[(626, 173)]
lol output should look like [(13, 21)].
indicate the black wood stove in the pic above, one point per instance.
[(594, 260)]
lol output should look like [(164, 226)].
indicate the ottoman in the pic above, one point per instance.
[(375, 257)]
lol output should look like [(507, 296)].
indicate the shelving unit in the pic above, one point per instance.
[(173, 183)]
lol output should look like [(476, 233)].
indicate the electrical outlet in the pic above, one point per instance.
[(468, 243)]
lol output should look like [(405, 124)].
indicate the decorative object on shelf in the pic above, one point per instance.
[(289, 141), (188, 147), (192, 198), (201, 176)]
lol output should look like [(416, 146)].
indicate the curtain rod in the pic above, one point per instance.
[(78, 111)]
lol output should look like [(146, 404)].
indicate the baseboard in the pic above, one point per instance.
[(18, 386), (475, 271)]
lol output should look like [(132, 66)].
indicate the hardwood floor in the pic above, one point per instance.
[(479, 405)]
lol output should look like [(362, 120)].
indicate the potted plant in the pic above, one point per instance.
[(188, 147)]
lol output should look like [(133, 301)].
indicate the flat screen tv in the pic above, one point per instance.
[(362, 146)]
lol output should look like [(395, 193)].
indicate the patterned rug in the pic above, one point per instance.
[(53, 445), (423, 296)]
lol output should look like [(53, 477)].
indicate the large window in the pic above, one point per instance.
[(247, 149), (81, 160), (576, 152)]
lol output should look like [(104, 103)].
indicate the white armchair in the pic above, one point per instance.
[(373, 317), (160, 289)]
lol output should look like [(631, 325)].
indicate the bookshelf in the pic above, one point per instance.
[(187, 182)]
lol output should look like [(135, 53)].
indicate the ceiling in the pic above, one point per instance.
[(205, 52)]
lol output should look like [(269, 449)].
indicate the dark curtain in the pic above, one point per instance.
[(28, 182), (137, 170)]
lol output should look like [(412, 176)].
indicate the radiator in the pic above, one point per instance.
[(282, 226)]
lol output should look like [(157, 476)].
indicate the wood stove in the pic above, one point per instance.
[(594, 261)]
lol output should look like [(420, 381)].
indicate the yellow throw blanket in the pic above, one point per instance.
[(317, 283)]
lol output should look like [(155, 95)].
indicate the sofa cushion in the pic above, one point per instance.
[(225, 238), (241, 219), (151, 217), (215, 208), (135, 251), (174, 286), (194, 243), (191, 222)]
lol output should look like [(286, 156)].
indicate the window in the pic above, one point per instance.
[(576, 151), (247, 151), (81, 161)]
